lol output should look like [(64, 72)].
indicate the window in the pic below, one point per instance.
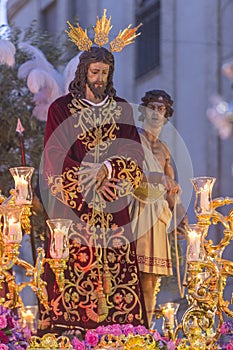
[(148, 43), (78, 12)]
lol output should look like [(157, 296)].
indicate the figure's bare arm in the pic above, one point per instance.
[(169, 174)]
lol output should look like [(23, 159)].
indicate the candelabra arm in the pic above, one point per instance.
[(227, 223), (230, 219), (176, 331), (10, 256), (203, 300), (212, 249), (12, 300), (25, 219), (220, 202), (226, 310), (38, 281), (226, 270), (58, 267), (29, 269), (37, 284), (219, 217), (196, 320), (6, 264)]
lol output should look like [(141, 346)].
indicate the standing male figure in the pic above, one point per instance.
[(92, 161), (154, 200)]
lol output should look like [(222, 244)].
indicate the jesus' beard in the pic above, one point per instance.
[(98, 92)]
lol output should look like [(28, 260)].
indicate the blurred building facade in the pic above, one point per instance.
[(181, 49)]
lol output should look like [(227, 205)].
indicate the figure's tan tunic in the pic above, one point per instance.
[(151, 218)]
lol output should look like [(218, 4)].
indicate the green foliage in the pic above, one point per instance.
[(16, 101)]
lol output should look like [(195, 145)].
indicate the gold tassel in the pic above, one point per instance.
[(102, 305), (107, 286)]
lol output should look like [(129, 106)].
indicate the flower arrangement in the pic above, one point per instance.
[(121, 337), (129, 337), (12, 336), (227, 329)]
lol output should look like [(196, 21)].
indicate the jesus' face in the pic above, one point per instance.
[(97, 77)]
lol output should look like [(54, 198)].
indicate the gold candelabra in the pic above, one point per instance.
[(15, 212), (207, 271), (207, 274)]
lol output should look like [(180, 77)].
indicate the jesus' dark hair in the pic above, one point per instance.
[(96, 54)]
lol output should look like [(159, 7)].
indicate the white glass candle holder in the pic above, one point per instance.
[(169, 311), (59, 228), (203, 190), (12, 231), (195, 243), (23, 189), (29, 317)]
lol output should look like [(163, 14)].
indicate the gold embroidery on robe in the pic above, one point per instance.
[(102, 276)]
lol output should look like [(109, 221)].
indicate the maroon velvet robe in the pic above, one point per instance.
[(102, 279)]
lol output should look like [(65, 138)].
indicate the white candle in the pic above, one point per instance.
[(14, 231), (194, 245), (21, 188), (169, 314), (58, 243), (29, 319), (204, 199)]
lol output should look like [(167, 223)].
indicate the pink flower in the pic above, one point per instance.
[(115, 329), (3, 347), (77, 344), (127, 329), (171, 345), (230, 345), (223, 329), (3, 321), (141, 330), (3, 338), (92, 338), (157, 336), (101, 330)]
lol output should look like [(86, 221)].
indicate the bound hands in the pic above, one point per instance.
[(97, 178), (171, 185), (173, 197)]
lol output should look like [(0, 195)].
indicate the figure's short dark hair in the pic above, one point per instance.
[(156, 96), (96, 54)]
